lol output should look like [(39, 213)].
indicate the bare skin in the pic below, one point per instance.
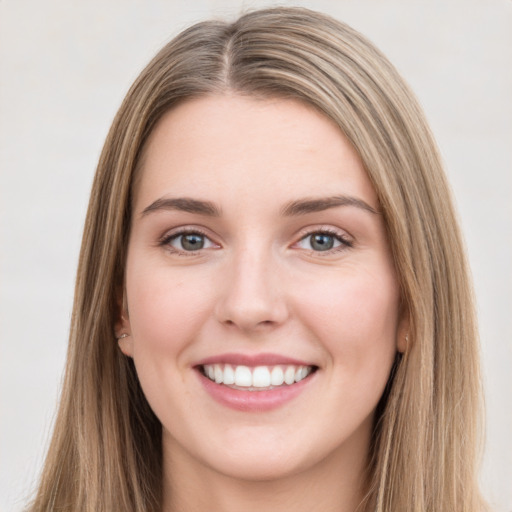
[(256, 236)]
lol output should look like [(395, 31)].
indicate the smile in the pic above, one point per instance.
[(257, 378), (255, 383)]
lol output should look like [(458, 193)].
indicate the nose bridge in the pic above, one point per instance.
[(252, 296)]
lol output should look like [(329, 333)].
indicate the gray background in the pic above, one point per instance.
[(64, 69)]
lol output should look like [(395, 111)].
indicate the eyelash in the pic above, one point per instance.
[(345, 242), (168, 238)]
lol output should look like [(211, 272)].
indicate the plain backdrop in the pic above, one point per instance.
[(64, 69)]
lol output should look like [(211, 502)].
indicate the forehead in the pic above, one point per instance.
[(249, 147)]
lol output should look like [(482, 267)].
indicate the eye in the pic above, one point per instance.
[(322, 241), (188, 242)]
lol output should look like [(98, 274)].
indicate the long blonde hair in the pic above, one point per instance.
[(106, 449)]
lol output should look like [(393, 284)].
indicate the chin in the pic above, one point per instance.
[(259, 468)]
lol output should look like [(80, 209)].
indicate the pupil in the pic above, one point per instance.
[(322, 242), (192, 242)]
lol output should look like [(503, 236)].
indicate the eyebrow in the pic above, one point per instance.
[(312, 205), (299, 207), (184, 204)]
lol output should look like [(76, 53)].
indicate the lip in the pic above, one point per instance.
[(263, 359), (253, 401)]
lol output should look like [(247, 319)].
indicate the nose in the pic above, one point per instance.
[(253, 295)]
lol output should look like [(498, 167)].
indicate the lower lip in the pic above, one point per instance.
[(254, 401)]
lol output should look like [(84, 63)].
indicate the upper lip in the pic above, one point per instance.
[(264, 359)]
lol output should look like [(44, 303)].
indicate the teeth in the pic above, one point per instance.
[(289, 375), (229, 375), (300, 373), (219, 374), (261, 377), (277, 376), (258, 377), (243, 376)]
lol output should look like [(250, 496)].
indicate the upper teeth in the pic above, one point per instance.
[(257, 377)]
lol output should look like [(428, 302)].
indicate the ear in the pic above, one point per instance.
[(402, 332), (122, 328)]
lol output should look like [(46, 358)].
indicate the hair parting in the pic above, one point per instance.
[(105, 453)]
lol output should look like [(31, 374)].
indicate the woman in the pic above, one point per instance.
[(271, 240)]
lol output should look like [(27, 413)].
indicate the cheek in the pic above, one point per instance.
[(166, 311), (355, 318), (165, 308)]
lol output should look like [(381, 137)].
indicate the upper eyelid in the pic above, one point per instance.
[(185, 230), (302, 233), (331, 230), (346, 240), (165, 242)]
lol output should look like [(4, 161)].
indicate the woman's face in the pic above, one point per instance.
[(258, 257)]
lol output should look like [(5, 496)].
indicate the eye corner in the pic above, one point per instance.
[(324, 241), (187, 241)]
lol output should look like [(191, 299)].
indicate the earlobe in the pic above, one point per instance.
[(403, 343), (123, 330), (402, 335), (125, 343)]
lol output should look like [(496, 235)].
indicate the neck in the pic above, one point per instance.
[(329, 486)]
